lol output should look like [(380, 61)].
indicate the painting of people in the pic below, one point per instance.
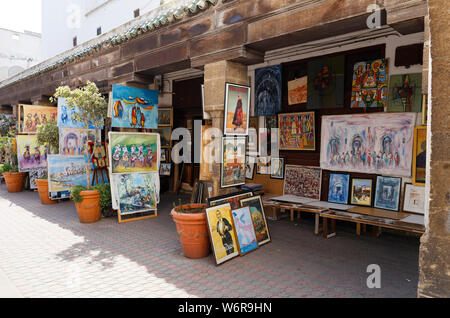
[(420, 156), (30, 155), (66, 117), (66, 172), (338, 188), (237, 109), (165, 116), (77, 141), (297, 131), (33, 116), (303, 181), (369, 86), (233, 161), (268, 91), (361, 192), (387, 193), (258, 219), (405, 93), (245, 231)]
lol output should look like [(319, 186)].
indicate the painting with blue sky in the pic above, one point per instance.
[(65, 116), (387, 193), (66, 172), (338, 188)]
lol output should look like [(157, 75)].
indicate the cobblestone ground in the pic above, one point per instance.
[(46, 252)]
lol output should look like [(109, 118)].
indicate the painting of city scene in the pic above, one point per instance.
[(369, 86), (297, 131), (66, 172), (76, 141), (30, 155), (233, 164), (361, 192), (303, 181), (33, 116)]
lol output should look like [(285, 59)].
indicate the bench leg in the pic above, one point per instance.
[(325, 228), (358, 229), (292, 215)]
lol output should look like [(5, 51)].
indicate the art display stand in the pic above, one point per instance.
[(97, 172)]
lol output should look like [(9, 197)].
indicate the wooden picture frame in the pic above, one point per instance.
[(259, 219), (237, 109), (419, 159), (282, 164), (286, 127), (250, 168), (352, 193), (165, 169), (416, 208), (165, 120), (243, 226)]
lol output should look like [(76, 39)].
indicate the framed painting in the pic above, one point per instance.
[(30, 155), (164, 154), (99, 158), (387, 193), (414, 199), (369, 85), (405, 93), (237, 109), (250, 167), (378, 143), (420, 156), (36, 174), (222, 233), (338, 188), (134, 107), (234, 199), (245, 232), (263, 165), (166, 136), (424, 109), (66, 172), (298, 91), (165, 117), (165, 169), (233, 162), (258, 219), (34, 115), (303, 181), (361, 192), (277, 168), (66, 116), (297, 131), (268, 91), (133, 152), (76, 141)]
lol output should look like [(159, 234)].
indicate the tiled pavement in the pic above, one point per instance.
[(46, 252)]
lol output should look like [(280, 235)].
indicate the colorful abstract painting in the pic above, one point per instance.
[(268, 91), (134, 107), (303, 181), (233, 161), (134, 152), (258, 219), (30, 156), (387, 193), (297, 131), (66, 116), (245, 232), (76, 141), (338, 188), (298, 91), (405, 93), (361, 192), (370, 143), (36, 174), (66, 172), (420, 156), (370, 84), (33, 116), (237, 109)]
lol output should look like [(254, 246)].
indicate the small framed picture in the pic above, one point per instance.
[(166, 136), (414, 199), (165, 117), (277, 168), (387, 193), (361, 192), (263, 165), (250, 168), (165, 169), (163, 154)]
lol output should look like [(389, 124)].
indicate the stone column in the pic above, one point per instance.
[(434, 261), (215, 76)]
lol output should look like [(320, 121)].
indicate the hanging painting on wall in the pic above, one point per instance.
[(165, 116), (297, 131), (303, 181), (134, 152), (338, 188), (245, 232), (66, 172), (233, 161), (76, 141), (298, 91), (258, 219), (33, 116), (405, 93), (166, 136), (66, 116), (361, 192), (414, 200), (134, 107), (250, 167), (387, 193), (326, 82), (420, 156), (369, 86), (237, 109), (268, 91), (370, 143), (29, 154)]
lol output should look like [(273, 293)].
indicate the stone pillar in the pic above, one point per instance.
[(215, 76), (434, 260)]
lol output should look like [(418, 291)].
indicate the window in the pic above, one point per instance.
[(137, 13), (99, 30), (75, 41)]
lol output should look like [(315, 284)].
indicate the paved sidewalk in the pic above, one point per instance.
[(46, 252)]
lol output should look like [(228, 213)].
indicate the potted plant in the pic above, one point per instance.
[(87, 203), (13, 178), (190, 220), (104, 191)]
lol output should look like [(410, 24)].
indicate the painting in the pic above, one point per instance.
[(165, 116), (99, 158), (298, 91), (338, 188), (277, 168), (250, 167), (387, 193), (297, 131), (66, 116), (36, 174), (379, 143), (33, 116), (424, 109), (165, 169), (268, 91), (237, 109), (134, 152), (369, 86), (166, 136), (263, 165), (258, 219), (76, 141), (66, 172), (30, 156), (414, 199), (361, 192), (326, 82), (233, 162), (405, 93), (245, 232), (233, 199), (303, 181), (222, 233), (134, 107), (420, 156), (164, 154)]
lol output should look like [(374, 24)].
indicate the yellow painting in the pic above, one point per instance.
[(33, 116), (420, 155)]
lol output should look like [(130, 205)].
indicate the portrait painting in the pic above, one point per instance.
[(420, 156), (237, 109), (233, 199), (66, 118), (338, 188), (303, 181), (268, 91), (245, 232), (165, 116), (298, 91), (277, 168), (361, 192), (370, 84), (233, 161), (414, 199), (405, 93), (30, 155), (258, 218), (387, 193), (77, 141), (250, 167), (66, 172), (33, 116), (297, 131)]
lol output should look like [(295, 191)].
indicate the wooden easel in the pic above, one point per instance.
[(96, 173)]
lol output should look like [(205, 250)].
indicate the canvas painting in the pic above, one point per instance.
[(420, 156), (237, 109), (99, 158), (414, 200), (134, 107), (369, 86), (233, 199), (134, 152), (233, 161), (165, 169), (338, 188), (245, 231), (263, 165), (66, 116), (30, 156), (303, 181), (222, 233), (165, 116), (387, 193), (268, 91), (250, 167), (36, 174), (379, 143), (361, 192), (298, 91), (258, 219), (405, 93), (166, 136), (297, 131), (33, 116), (76, 141), (66, 172), (277, 168), (326, 82)]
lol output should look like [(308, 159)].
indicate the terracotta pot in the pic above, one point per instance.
[(14, 181), (192, 231), (89, 210), (42, 185)]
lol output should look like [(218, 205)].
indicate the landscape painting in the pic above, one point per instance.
[(237, 109), (297, 131), (30, 155), (338, 188), (405, 93), (76, 141), (379, 143), (66, 116), (268, 91), (303, 181), (243, 225), (66, 172), (361, 192), (258, 219), (33, 116), (370, 84), (233, 161), (387, 193)]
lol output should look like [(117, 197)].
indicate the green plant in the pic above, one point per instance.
[(48, 134), (6, 167), (5, 125), (105, 196), (75, 194)]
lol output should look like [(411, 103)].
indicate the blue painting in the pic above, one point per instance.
[(268, 91), (245, 230), (338, 188), (66, 172), (387, 194), (134, 107), (65, 116)]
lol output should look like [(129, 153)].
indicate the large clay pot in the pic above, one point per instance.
[(14, 181), (42, 185), (192, 231), (89, 210)]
